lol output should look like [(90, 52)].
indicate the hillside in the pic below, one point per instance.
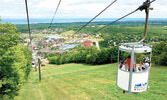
[(85, 82)]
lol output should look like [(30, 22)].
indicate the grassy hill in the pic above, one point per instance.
[(87, 82)]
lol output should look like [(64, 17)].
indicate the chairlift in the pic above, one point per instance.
[(129, 81)]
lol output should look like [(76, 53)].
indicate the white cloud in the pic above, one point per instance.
[(79, 8)]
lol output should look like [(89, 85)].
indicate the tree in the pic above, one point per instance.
[(8, 37), (15, 61), (159, 53), (13, 70)]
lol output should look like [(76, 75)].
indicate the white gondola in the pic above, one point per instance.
[(133, 82)]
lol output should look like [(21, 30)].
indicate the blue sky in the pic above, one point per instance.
[(79, 8)]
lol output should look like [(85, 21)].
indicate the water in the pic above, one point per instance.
[(70, 20), (68, 46)]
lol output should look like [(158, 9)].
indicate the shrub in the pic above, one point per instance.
[(52, 60), (159, 53), (15, 66), (162, 59)]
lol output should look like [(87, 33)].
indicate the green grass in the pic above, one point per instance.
[(87, 82)]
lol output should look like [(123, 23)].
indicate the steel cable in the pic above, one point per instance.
[(54, 14), (96, 16), (26, 4), (143, 6)]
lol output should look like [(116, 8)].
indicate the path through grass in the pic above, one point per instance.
[(87, 82)]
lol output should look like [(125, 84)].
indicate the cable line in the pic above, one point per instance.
[(116, 20), (143, 6), (28, 21), (55, 13), (95, 16)]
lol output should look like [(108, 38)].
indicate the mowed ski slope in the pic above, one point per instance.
[(87, 82)]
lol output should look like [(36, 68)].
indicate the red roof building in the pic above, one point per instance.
[(74, 49), (87, 43)]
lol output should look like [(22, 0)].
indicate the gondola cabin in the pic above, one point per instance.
[(133, 80)]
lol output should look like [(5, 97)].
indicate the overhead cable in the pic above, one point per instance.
[(143, 6), (28, 21), (55, 13), (95, 16)]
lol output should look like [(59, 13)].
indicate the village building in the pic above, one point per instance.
[(47, 50), (87, 43)]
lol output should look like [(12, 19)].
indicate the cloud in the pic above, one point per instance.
[(78, 8)]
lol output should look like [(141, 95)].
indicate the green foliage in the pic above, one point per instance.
[(14, 68), (114, 53), (162, 59), (87, 55), (8, 37), (124, 31), (49, 55), (160, 53), (104, 43), (28, 57), (15, 61), (92, 57)]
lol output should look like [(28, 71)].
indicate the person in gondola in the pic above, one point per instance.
[(145, 66), (128, 61), (121, 64)]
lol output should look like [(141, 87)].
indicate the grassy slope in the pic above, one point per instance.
[(85, 82)]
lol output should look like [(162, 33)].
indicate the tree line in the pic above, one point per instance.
[(86, 55), (15, 61), (107, 55)]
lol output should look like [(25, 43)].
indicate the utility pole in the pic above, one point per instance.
[(39, 69), (35, 66)]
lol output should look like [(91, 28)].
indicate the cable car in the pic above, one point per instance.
[(132, 81)]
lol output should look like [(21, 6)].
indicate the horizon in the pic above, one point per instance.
[(70, 20), (79, 9), (83, 18)]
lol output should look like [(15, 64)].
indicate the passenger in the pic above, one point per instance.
[(140, 66), (146, 66), (121, 64), (145, 59), (128, 60)]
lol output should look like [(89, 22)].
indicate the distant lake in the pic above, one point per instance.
[(70, 20)]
